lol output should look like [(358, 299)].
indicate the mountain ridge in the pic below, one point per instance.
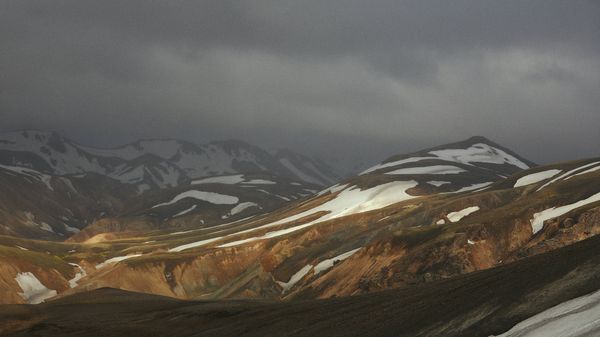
[(51, 153)]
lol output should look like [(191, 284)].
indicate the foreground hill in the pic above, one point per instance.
[(483, 303)]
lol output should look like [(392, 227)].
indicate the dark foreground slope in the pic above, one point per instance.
[(478, 304)]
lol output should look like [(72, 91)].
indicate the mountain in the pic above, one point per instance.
[(469, 164), (203, 203), (54, 187), (423, 223), (155, 163), (42, 206)]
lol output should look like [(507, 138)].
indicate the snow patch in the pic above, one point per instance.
[(347, 202), (185, 211), (473, 188), (81, 274), (333, 189), (34, 292), (576, 317), (240, 208), (567, 174), (593, 169), (457, 216), (328, 263), (295, 278), (435, 169), (193, 244), (30, 221), (437, 183), (211, 197), (71, 229), (282, 197), (537, 222), (115, 260), (536, 177), (229, 180), (46, 227), (479, 153)]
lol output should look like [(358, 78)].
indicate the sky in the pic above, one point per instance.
[(349, 81)]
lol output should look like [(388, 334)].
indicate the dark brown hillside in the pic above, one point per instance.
[(476, 304)]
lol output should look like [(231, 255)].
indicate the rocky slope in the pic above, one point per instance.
[(484, 303), (42, 206)]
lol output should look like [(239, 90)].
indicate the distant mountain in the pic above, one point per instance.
[(155, 163), (476, 160), (308, 169), (53, 187)]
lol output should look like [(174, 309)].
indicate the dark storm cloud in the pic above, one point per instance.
[(381, 76)]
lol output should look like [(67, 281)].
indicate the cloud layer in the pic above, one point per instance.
[(341, 79)]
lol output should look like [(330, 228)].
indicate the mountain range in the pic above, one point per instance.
[(155, 163), (467, 238), (66, 186)]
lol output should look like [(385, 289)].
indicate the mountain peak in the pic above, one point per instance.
[(478, 139), (474, 152)]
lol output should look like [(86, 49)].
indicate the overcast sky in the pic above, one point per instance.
[(349, 81)]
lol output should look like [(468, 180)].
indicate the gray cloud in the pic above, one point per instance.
[(358, 80)]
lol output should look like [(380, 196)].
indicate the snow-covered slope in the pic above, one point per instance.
[(154, 163), (577, 317), (50, 153), (453, 167)]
